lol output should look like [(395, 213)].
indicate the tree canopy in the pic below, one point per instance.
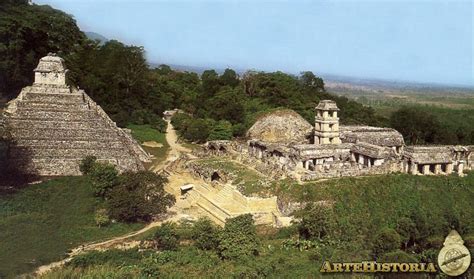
[(118, 77), (27, 33)]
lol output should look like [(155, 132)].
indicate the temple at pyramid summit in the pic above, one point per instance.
[(53, 126)]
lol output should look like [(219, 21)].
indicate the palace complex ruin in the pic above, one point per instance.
[(51, 127), (283, 144)]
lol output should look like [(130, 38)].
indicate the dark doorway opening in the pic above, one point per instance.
[(215, 176)]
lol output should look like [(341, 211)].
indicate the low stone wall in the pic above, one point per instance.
[(352, 169)]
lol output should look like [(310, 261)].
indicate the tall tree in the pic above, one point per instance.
[(27, 33)]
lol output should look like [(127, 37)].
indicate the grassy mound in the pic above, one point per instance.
[(144, 133), (40, 223)]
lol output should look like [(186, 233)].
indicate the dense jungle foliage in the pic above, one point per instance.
[(391, 218), (219, 105)]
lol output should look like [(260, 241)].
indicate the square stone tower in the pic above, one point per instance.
[(326, 128)]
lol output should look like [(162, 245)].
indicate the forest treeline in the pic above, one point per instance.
[(218, 105)]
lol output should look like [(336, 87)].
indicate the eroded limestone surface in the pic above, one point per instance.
[(52, 127), (281, 126), (337, 151)]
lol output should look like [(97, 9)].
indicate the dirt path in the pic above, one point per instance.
[(100, 246), (174, 152)]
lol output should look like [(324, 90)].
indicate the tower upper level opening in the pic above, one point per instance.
[(326, 127), (326, 109)]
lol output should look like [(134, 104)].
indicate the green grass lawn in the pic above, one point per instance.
[(144, 133), (40, 223), (362, 206)]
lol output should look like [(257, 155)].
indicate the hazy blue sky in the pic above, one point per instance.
[(427, 41)]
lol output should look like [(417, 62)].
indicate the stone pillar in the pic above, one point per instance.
[(461, 168), (414, 168), (437, 169), (426, 169), (449, 168), (353, 157), (369, 162), (361, 159)]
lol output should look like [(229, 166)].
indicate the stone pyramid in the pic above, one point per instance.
[(54, 126)]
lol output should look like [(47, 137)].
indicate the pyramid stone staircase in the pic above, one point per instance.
[(54, 127)]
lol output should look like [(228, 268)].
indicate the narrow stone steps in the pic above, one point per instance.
[(48, 143), (32, 109), (212, 209), (65, 134), (51, 105), (54, 97), (224, 195), (17, 152), (84, 115), (25, 123)]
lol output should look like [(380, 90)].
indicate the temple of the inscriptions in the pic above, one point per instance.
[(282, 143), (51, 127)]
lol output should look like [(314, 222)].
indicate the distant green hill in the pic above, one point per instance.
[(96, 37)]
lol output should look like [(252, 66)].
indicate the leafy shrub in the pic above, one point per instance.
[(143, 116), (138, 197), (87, 164), (317, 221), (112, 256), (397, 257), (101, 217), (167, 237), (205, 234), (159, 124), (104, 177), (406, 228), (238, 240), (286, 232), (221, 130), (300, 244), (386, 240)]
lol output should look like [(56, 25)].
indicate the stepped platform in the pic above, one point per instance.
[(53, 127), (224, 203)]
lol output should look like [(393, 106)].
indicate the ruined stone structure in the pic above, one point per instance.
[(53, 127), (282, 126), (339, 151), (326, 128)]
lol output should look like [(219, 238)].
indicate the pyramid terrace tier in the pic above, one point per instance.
[(69, 152), (26, 123), (85, 115), (51, 105), (65, 134), (72, 144), (70, 166)]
